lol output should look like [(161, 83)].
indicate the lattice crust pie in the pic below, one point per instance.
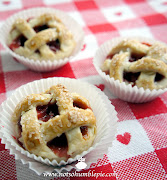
[(137, 63), (41, 38), (55, 124)]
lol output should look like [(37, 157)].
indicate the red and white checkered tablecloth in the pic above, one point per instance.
[(140, 148)]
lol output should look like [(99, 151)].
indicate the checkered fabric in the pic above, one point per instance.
[(139, 150)]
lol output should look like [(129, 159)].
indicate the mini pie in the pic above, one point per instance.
[(55, 124), (41, 38), (137, 63)]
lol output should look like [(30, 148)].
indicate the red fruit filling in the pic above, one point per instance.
[(147, 44), (158, 77), (54, 45), (110, 56), (81, 105), (19, 126), (135, 57), (40, 28), (84, 131), (19, 41), (20, 131), (47, 112), (131, 77), (28, 20), (59, 146)]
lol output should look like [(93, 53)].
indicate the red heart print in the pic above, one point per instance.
[(125, 138), (7, 2), (83, 48), (164, 3), (100, 86), (118, 13)]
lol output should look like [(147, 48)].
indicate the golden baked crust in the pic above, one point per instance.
[(137, 63), (37, 34), (39, 129)]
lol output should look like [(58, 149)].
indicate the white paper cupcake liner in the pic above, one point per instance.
[(106, 124), (122, 90), (36, 65)]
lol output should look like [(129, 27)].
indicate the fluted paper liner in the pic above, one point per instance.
[(49, 65), (120, 89), (105, 113)]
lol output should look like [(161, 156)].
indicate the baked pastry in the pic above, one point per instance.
[(41, 38), (55, 124), (137, 63)]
